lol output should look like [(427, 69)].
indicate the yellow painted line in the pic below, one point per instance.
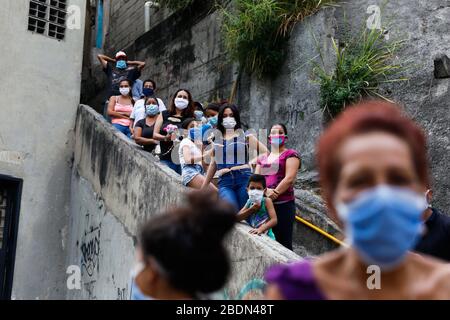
[(322, 232)]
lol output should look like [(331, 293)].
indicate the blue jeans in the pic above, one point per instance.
[(233, 187), (175, 167), (124, 129)]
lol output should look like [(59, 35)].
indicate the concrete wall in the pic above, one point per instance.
[(185, 50), (99, 245), (425, 25), (112, 182), (40, 92)]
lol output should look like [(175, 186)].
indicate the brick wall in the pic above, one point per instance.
[(127, 23)]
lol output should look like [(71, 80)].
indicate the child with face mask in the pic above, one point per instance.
[(259, 211)]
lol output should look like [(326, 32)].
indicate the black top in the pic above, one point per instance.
[(147, 132), (436, 241), (116, 75), (167, 147)]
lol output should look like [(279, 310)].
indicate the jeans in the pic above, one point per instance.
[(283, 229), (190, 171), (173, 166), (124, 129), (233, 187)]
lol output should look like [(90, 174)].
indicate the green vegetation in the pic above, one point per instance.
[(256, 31), (362, 65)]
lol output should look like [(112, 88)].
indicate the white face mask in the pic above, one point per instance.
[(229, 123), (181, 103), (124, 91), (255, 196)]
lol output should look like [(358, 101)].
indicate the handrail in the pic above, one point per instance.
[(322, 232)]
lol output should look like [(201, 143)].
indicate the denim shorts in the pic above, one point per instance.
[(189, 171)]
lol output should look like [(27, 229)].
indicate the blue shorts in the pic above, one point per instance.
[(190, 171)]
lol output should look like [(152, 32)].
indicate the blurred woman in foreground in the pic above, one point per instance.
[(374, 175), (181, 252)]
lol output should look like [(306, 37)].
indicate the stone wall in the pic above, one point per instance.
[(112, 182)]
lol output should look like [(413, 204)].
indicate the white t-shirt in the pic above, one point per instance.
[(138, 112), (194, 150)]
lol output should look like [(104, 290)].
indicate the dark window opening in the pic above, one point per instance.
[(48, 17)]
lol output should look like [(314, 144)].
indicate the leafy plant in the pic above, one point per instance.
[(251, 36), (362, 65), (297, 10), (256, 31)]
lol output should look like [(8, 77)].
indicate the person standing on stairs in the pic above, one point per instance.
[(280, 168)]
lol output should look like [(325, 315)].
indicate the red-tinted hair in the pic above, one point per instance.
[(367, 116)]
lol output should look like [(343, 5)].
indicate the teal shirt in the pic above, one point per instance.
[(260, 217)]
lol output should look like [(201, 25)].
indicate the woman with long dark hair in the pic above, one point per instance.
[(280, 168), (181, 107), (231, 157), (143, 130), (120, 108)]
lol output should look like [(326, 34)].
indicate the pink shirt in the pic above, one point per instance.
[(122, 108), (276, 171)]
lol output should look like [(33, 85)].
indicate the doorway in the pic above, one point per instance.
[(10, 195)]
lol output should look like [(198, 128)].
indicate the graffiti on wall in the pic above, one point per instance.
[(90, 250), (122, 294)]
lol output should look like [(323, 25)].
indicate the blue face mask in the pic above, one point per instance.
[(198, 115), (148, 92), (213, 121), (136, 293), (383, 224), (121, 64), (151, 110), (195, 134)]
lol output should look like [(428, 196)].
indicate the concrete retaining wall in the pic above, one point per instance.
[(115, 188)]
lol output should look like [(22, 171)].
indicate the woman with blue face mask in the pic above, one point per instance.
[(181, 253), (143, 134), (149, 87), (212, 114), (374, 173), (191, 155)]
